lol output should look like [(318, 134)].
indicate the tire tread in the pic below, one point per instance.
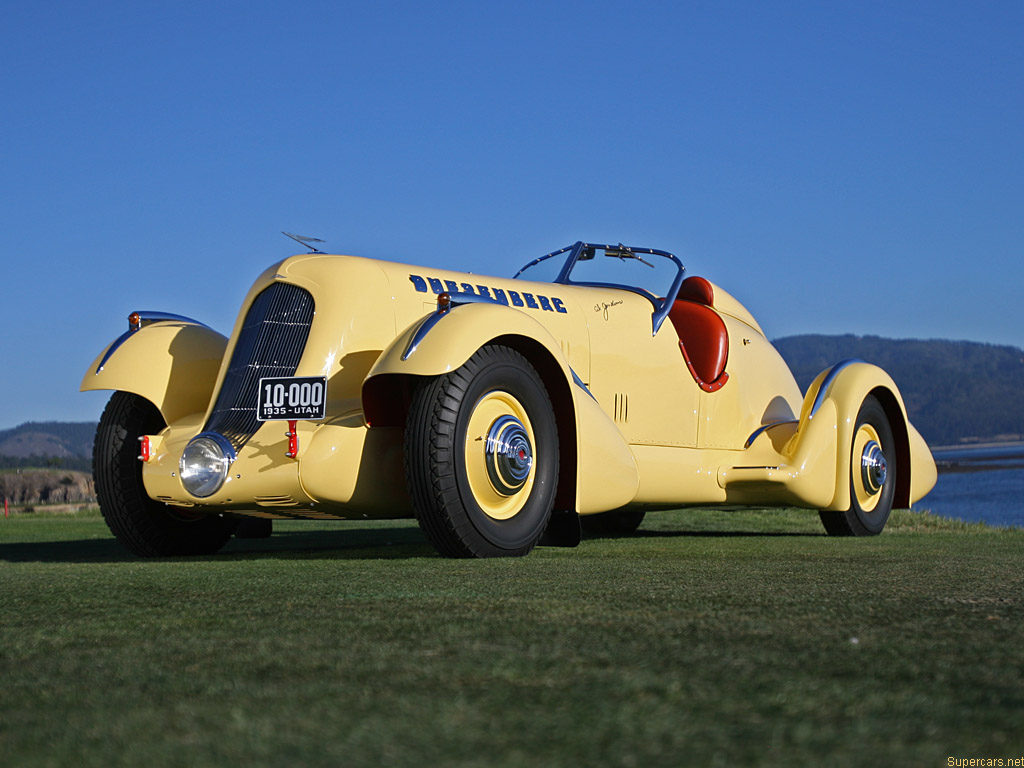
[(847, 522), (430, 463), (141, 524)]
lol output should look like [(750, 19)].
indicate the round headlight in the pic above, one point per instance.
[(205, 463)]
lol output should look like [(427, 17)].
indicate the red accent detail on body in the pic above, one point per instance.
[(145, 449), (293, 439)]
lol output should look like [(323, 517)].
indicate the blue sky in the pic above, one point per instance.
[(839, 167)]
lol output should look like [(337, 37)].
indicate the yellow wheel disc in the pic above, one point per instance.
[(500, 455), (867, 495)]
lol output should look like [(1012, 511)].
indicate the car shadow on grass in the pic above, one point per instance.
[(357, 544), (343, 544), (364, 543), (722, 534)]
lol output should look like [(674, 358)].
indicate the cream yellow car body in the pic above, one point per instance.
[(635, 430)]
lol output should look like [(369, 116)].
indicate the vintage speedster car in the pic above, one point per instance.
[(597, 384)]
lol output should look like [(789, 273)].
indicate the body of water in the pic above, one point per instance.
[(979, 484)]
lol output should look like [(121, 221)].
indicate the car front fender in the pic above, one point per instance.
[(438, 344), (173, 364), (844, 387), (604, 470)]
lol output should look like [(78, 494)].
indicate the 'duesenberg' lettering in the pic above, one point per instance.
[(497, 295)]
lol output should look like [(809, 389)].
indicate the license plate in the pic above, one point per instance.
[(287, 398)]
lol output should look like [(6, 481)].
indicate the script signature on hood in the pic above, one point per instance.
[(603, 307)]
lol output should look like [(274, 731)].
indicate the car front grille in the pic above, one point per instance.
[(271, 343)]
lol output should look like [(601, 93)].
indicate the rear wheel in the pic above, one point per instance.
[(872, 474), (146, 527), (481, 456)]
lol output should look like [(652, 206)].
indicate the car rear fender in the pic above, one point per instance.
[(597, 470), (835, 396), (173, 364)]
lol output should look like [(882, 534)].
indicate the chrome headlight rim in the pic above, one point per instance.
[(215, 472)]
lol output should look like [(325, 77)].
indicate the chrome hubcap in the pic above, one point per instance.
[(873, 467), (508, 454)]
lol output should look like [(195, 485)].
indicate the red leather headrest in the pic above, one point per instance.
[(704, 341), (697, 289)]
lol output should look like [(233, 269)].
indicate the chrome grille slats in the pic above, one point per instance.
[(270, 343)]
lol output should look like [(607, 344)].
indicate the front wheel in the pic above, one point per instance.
[(146, 527), (481, 456), (872, 474)]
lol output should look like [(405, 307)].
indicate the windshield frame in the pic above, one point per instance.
[(661, 306)]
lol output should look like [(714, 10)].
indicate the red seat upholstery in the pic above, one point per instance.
[(697, 289), (703, 338)]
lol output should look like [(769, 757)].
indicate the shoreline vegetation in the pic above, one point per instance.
[(1010, 442), (30, 488), (980, 457)]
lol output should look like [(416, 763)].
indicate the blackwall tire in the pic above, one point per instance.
[(871, 488), (481, 456), (146, 527)]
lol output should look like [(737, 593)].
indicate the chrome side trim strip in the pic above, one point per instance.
[(145, 318), (579, 382), (457, 299), (114, 347), (431, 320), (757, 432), (827, 383), (818, 399)]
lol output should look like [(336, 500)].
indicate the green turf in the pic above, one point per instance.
[(709, 638)]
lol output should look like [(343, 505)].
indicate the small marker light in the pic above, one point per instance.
[(444, 301), (293, 439), (134, 321)]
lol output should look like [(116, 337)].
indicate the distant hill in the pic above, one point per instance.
[(48, 443), (955, 391)]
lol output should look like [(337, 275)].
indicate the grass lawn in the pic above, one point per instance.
[(709, 638)]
